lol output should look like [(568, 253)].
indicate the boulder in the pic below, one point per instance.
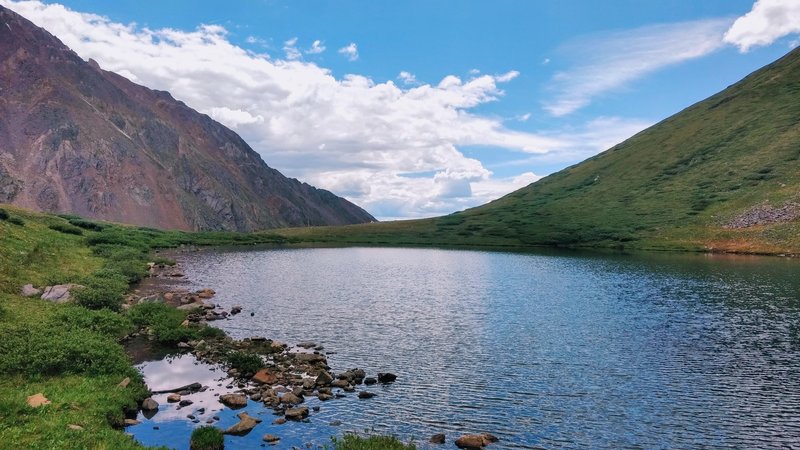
[(173, 398), (437, 438), (340, 383), (369, 380), (324, 378), (29, 291), (290, 398), (475, 441), (365, 395), (245, 425), (386, 377), (185, 402), (149, 404), (298, 413), (265, 376), (233, 400), (236, 310), (279, 421), (60, 293)]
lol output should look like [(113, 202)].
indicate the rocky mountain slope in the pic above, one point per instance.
[(75, 138), (723, 174)]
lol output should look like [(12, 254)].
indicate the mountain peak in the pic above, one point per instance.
[(75, 138)]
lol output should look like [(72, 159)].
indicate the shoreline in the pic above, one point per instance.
[(259, 370)]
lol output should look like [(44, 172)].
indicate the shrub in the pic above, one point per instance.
[(87, 224), (245, 362), (3, 214), (66, 229), (47, 350), (104, 322), (100, 297), (16, 221), (207, 438), (165, 322), (356, 442)]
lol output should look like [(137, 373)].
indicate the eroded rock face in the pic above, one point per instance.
[(75, 138)]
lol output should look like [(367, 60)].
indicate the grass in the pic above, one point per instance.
[(670, 187), (207, 438), (356, 442)]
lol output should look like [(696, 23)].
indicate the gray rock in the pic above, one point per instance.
[(29, 291), (60, 293), (438, 438)]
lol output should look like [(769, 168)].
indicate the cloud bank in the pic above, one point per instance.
[(392, 150), (768, 21)]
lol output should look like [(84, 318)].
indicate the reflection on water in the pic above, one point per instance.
[(550, 350)]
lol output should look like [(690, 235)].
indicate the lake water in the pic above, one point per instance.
[(546, 350)]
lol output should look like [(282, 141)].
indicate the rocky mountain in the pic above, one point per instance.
[(78, 139), (722, 175)]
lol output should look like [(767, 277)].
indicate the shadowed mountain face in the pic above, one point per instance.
[(75, 138)]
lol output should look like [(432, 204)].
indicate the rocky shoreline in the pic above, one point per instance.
[(278, 375)]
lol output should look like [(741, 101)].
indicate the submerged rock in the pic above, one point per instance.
[(365, 395), (437, 438), (475, 441)]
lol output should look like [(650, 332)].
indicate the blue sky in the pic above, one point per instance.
[(421, 108)]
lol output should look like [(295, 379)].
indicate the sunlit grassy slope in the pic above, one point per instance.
[(671, 186)]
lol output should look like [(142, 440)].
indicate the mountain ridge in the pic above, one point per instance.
[(78, 139)]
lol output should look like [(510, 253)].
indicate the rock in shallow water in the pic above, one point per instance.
[(245, 425), (299, 413), (438, 438), (233, 400), (149, 404), (386, 377)]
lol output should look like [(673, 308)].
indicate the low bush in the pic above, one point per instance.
[(87, 224), (245, 362), (104, 289), (104, 322), (165, 322), (47, 350), (16, 221), (207, 438), (3, 214), (66, 229)]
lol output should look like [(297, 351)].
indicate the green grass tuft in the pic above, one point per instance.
[(356, 442), (207, 438)]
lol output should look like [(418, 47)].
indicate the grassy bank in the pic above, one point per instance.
[(71, 352)]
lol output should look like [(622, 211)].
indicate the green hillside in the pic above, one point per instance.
[(675, 185)]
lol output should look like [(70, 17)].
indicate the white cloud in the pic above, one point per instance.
[(768, 21), (290, 49), (317, 47), (350, 51), (610, 61), (355, 136), (506, 77), (407, 78)]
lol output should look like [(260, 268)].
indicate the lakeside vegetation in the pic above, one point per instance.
[(71, 352)]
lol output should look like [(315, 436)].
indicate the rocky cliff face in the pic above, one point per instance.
[(75, 138)]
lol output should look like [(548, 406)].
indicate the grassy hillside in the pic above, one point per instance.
[(673, 186)]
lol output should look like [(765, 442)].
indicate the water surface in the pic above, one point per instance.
[(542, 350)]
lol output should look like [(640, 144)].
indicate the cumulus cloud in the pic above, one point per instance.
[(610, 61), (350, 51), (768, 21), (317, 47), (393, 150)]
